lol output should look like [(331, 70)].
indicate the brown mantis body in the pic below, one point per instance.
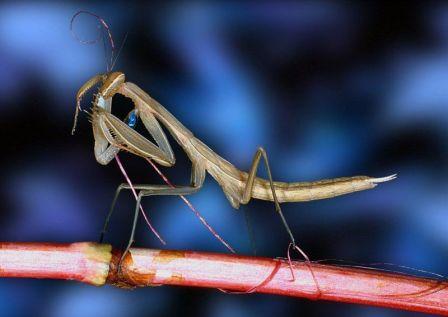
[(112, 135)]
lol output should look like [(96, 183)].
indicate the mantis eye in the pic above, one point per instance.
[(131, 119)]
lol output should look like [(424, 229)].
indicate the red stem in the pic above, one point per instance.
[(94, 264), (84, 262)]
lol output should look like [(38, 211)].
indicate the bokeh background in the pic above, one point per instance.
[(329, 89)]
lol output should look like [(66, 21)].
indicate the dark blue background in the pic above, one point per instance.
[(330, 89)]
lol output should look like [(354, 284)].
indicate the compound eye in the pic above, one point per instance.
[(131, 119)]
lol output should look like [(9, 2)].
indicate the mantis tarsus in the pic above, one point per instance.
[(112, 135)]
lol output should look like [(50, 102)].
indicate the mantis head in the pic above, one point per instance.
[(113, 134), (110, 83)]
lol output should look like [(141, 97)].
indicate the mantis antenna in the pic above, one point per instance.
[(100, 36), (102, 26)]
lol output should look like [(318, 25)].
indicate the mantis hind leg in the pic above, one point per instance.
[(247, 194), (250, 232)]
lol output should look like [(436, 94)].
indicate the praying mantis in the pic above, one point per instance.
[(113, 135)]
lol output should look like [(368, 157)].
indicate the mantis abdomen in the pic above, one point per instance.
[(234, 181), (306, 191)]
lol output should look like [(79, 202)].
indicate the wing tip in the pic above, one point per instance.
[(383, 179)]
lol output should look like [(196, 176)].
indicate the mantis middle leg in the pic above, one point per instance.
[(197, 179), (112, 207), (147, 190)]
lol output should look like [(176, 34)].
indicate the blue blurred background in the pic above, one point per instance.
[(329, 89)]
